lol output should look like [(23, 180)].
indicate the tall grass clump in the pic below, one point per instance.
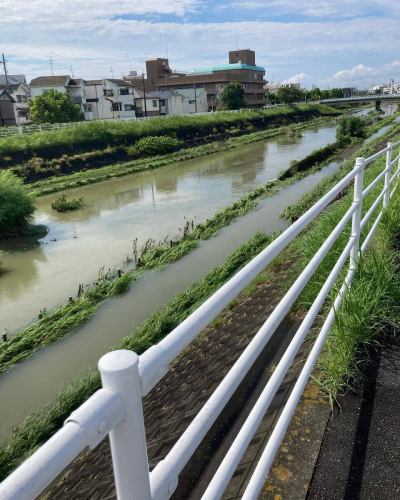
[(16, 205)]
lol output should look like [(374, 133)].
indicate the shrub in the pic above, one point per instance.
[(158, 144), (63, 204), (351, 127), (16, 205)]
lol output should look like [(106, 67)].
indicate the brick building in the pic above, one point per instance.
[(241, 68)]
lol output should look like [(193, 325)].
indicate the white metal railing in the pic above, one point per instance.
[(117, 409)]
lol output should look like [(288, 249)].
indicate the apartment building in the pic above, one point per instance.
[(241, 68), (15, 99)]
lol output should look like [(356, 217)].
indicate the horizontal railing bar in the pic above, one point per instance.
[(85, 428), (371, 210), (260, 473), (39, 470), (197, 429), (232, 458), (371, 232), (371, 186), (154, 363), (375, 156), (397, 157)]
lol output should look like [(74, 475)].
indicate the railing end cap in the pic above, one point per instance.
[(118, 361)]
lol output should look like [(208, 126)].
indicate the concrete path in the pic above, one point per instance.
[(360, 453)]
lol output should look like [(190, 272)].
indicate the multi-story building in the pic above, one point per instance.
[(108, 99), (18, 90), (241, 68)]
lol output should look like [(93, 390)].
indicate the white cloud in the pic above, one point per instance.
[(298, 78), (363, 76), (94, 39)]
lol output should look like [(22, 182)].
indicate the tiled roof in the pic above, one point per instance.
[(44, 81), (94, 82), (118, 81)]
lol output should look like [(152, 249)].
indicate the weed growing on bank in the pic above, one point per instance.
[(16, 205)]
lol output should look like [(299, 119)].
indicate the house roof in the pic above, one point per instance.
[(13, 80), (50, 81), (5, 93), (117, 81), (75, 81), (94, 82), (149, 95)]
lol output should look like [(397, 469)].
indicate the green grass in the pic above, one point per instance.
[(91, 136), (294, 211), (64, 204)]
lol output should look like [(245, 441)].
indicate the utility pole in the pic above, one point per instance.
[(51, 65), (195, 98), (4, 63), (144, 95)]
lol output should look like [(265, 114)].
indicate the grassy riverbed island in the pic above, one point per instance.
[(64, 204), (16, 206)]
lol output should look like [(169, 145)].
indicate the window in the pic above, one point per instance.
[(192, 101), (116, 106), (124, 91), (129, 107), (155, 103), (108, 92)]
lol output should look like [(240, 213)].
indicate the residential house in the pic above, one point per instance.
[(183, 102), (18, 89), (109, 99), (75, 88), (7, 113), (147, 103)]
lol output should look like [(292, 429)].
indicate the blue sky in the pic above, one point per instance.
[(327, 42)]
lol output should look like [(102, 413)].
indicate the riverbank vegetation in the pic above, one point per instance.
[(90, 176), (89, 137), (59, 322), (64, 204), (294, 211), (346, 339), (16, 205)]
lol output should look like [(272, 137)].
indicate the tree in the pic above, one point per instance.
[(54, 107), (290, 95), (233, 96)]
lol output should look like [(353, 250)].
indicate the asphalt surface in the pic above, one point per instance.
[(360, 453)]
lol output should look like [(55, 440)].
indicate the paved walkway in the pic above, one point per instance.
[(360, 453)]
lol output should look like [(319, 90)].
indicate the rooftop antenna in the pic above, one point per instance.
[(236, 40), (166, 45), (112, 72), (51, 65), (71, 68), (4, 63)]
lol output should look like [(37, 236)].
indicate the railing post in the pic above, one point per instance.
[(120, 374), (386, 196), (356, 221)]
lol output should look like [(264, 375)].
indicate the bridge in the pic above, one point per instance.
[(377, 98)]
